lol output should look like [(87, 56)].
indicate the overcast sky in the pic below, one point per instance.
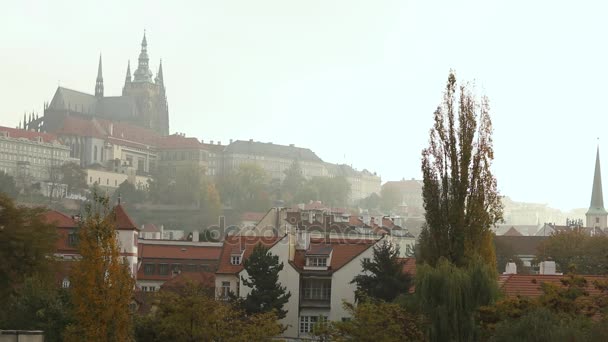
[(355, 81)]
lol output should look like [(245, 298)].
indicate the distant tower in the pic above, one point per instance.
[(597, 216), (99, 81), (143, 73)]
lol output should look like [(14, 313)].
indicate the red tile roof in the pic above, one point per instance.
[(530, 285), (409, 265), (59, 220), (344, 250), (251, 216), (123, 221), (153, 251), (244, 242), (81, 127), (22, 133), (177, 141)]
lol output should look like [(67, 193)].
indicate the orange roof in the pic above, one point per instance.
[(409, 265), (81, 127), (151, 251), (150, 227), (251, 216), (123, 221), (177, 141), (59, 220), (343, 251), (530, 285), (22, 133), (246, 243)]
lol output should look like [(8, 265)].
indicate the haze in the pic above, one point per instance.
[(355, 81)]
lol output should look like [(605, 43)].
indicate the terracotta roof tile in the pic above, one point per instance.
[(251, 216), (245, 242), (150, 228), (521, 245), (153, 251), (59, 220), (530, 285), (22, 133), (123, 221), (344, 250)]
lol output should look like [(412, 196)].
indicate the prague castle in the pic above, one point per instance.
[(143, 102)]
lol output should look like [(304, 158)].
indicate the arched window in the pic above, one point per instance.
[(95, 153), (65, 283)]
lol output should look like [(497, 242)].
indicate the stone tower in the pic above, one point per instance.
[(148, 94), (597, 216)]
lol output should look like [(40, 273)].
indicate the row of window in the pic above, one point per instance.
[(163, 269)]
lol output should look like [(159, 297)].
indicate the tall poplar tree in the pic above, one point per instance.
[(102, 284), (459, 190)]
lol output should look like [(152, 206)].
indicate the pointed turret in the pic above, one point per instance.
[(159, 76), (128, 77), (143, 73), (99, 81), (597, 214)]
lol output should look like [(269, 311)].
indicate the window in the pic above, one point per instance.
[(144, 288), (597, 220), (190, 268), (72, 239), (91, 179), (308, 322), (65, 283), (225, 289), (317, 262), (163, 269), (95, 153), (366, 260), (149, 269), (235, 260)]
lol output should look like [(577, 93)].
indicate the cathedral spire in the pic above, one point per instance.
[(99, 81), (159, 75), (597, 214), (143, 73), (128, 77)]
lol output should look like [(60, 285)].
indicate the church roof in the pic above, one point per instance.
[(272, 150), (116, 107), (65, 98)]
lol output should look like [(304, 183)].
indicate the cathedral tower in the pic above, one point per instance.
[(99, 81)]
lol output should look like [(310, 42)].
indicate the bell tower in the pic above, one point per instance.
[(597, 215)]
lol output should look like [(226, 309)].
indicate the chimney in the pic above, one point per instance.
[(211, 142), (302, 239), (291, 145), (231, 141), (195, 236), (162, 231), (219, 142), (547, 267), (511, 268), (111, 129)]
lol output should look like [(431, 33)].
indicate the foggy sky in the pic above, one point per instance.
[(355, 81)]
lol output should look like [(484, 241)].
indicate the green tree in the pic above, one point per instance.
[(588, 254), (382, 277), (459, 191), (102, 286), (373, 322), (8, 185), (74, 177), (26, 241), (294, 181), (245, 190), (128, 193), (450, 296), (39, 305), (266, 294), (390, 197), (192, 315)]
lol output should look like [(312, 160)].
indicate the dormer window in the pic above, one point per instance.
[(236, 256), (317, 261), (318, 257)]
